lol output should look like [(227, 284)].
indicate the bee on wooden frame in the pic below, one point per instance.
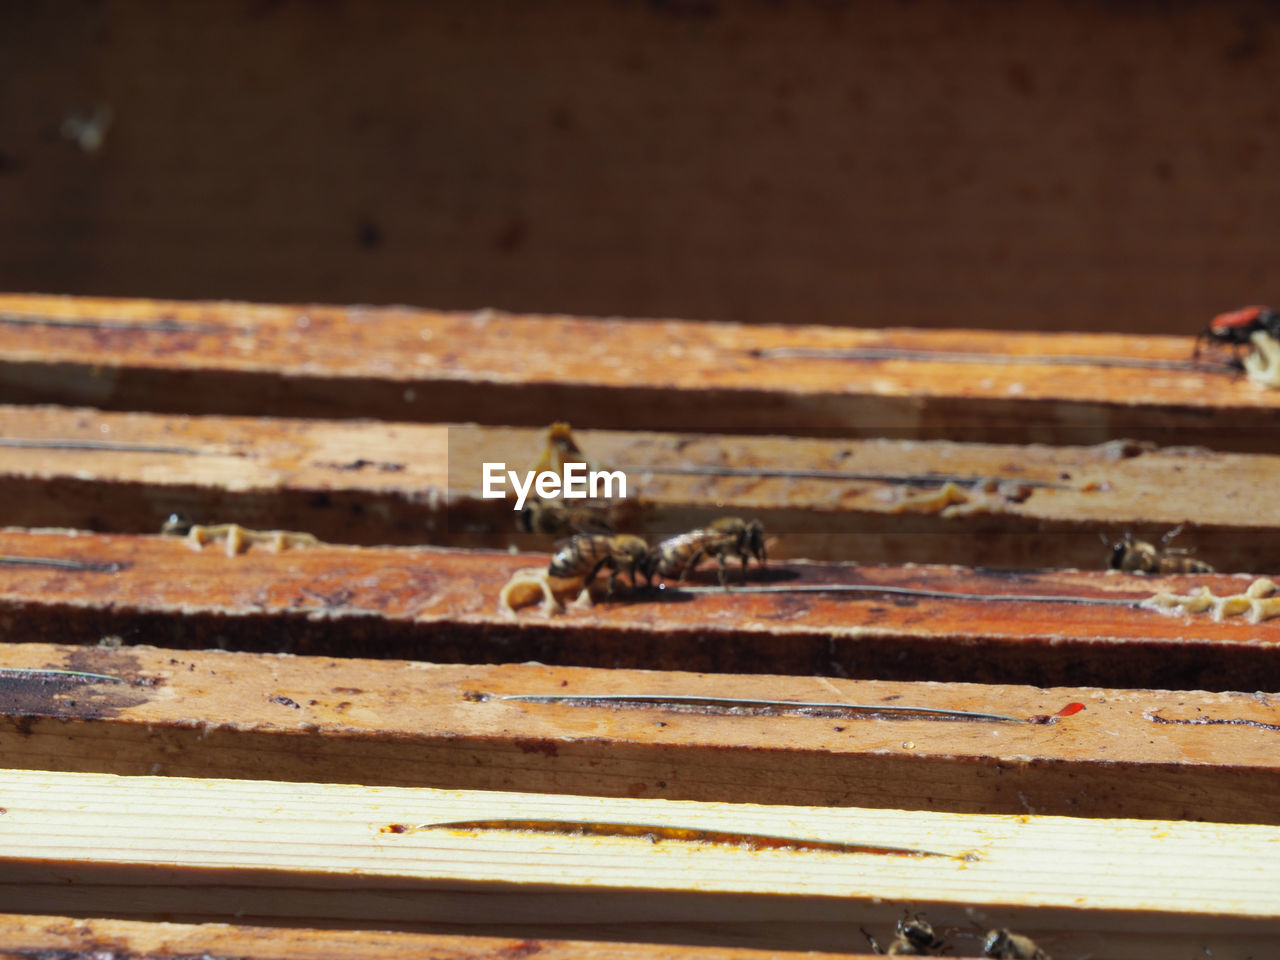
[(561, 449), (1003, 944), (915, 938), (726, 537), (555, 518), (588, 553), (1139, 556), (178, 525)]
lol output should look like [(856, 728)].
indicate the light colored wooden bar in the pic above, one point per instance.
[(400, 364), (953, 623), (1129, 753), (258, 851), (865, 500), (29, 936)]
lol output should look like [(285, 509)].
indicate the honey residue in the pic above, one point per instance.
[(1256, 603)]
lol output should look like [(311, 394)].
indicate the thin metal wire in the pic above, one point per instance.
[(98, 445), (693, 700), (59, 563), (912, 592), (907, 479), (77, 676), (931, 356), (116, 323)]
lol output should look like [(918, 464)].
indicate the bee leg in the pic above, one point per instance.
[(595, 571), (875, 947), (692, 564), (724, 571)]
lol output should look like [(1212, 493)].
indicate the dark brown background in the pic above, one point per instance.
[(1040, 165)]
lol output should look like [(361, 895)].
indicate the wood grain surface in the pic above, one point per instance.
[(786, 877), (496, 368), (75, 938), (1048, 628), (873, 501), (1125, 753)]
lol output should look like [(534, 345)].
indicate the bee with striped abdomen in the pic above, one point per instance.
[(1004, 944), (726, 537), (915, 938), (588, 553), (1139, 556), (556, 519)]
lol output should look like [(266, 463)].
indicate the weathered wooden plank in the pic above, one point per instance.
[(400, 364), (865, 500), (193, 850), (1047, 628), (1137, 754), (73, 938), (127, 472)]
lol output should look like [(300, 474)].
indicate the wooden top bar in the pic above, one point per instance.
[(70, 938), (1046, 628), (1128, 753), (185, 849), (402, 364), (874, 501)]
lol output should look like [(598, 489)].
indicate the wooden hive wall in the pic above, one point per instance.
[(1043, 165)]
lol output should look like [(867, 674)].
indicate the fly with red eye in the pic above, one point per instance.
[(1236, 327)]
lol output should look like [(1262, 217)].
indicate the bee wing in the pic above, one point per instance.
[(596, 525)]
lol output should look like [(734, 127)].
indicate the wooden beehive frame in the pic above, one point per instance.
[(833, 696)]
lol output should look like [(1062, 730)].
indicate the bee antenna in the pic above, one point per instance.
[(875, 946)]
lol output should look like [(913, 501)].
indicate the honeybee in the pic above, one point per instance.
[(1138, 556), (915, 938), (178, 525), (726, 537), (554, 518), (1004, 944), (561, 449), (587, 554)]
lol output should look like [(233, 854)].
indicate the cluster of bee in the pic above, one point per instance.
[(915, 937), (581, 558), (585, 555)]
